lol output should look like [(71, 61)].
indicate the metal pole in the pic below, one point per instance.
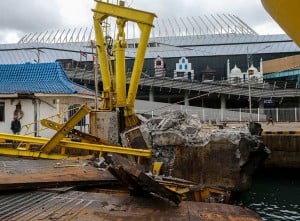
[(249, 91), (96, 80)]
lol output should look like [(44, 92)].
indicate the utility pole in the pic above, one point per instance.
[(95, 60), (250, 72)]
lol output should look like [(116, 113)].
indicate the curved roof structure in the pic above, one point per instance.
[(166, 47), (47, 78), (165, 27), (220, 44)]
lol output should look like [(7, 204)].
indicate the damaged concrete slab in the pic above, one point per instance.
[(208, 154)]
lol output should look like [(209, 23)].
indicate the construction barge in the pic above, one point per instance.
[(175, 167), (205, 165), (73, 189)]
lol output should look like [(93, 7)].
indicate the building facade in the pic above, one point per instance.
[(39, 91)]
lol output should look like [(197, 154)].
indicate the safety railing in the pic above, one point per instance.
[(233, 115)]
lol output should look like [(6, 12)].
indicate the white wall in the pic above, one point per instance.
[(43, 108)]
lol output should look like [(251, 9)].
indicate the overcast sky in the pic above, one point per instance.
[(19, 17)]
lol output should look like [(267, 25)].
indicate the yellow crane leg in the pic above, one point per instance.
[(120, 74), (104, 62), (102, 56), (130, 118), (138, 64), (65, 129), (123, 14)]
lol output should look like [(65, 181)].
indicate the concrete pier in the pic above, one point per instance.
[(283, 139)]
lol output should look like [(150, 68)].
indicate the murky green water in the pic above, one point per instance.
[(275, 195)]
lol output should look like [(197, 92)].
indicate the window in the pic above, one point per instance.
[(158, 63), (2, 108), (72, 110), (180, 74)]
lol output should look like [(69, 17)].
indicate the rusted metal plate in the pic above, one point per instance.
[(135, 139), (137, 181), (82, 206), (20, 173)]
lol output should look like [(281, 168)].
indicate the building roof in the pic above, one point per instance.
[(165, 47), (29, 78), (219, 44), (44, 52)]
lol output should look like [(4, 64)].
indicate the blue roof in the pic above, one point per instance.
[(28, 78)]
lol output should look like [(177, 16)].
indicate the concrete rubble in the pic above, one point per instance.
[(213, 155)]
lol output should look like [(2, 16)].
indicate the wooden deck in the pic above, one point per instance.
[(18, 173), (82, 206)]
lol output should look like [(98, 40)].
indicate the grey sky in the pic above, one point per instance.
[(19, 17)]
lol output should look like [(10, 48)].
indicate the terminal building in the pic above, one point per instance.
[(210, 61)]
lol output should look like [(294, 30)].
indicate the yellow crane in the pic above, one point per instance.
[(114, 95)]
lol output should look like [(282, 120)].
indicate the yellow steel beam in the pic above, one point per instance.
[(107, 148), (29, 153), (65, 129), (77, 145), (130, 14), (51, 124), (24, 139)]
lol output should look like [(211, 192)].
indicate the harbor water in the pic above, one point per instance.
[(275, 195)]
